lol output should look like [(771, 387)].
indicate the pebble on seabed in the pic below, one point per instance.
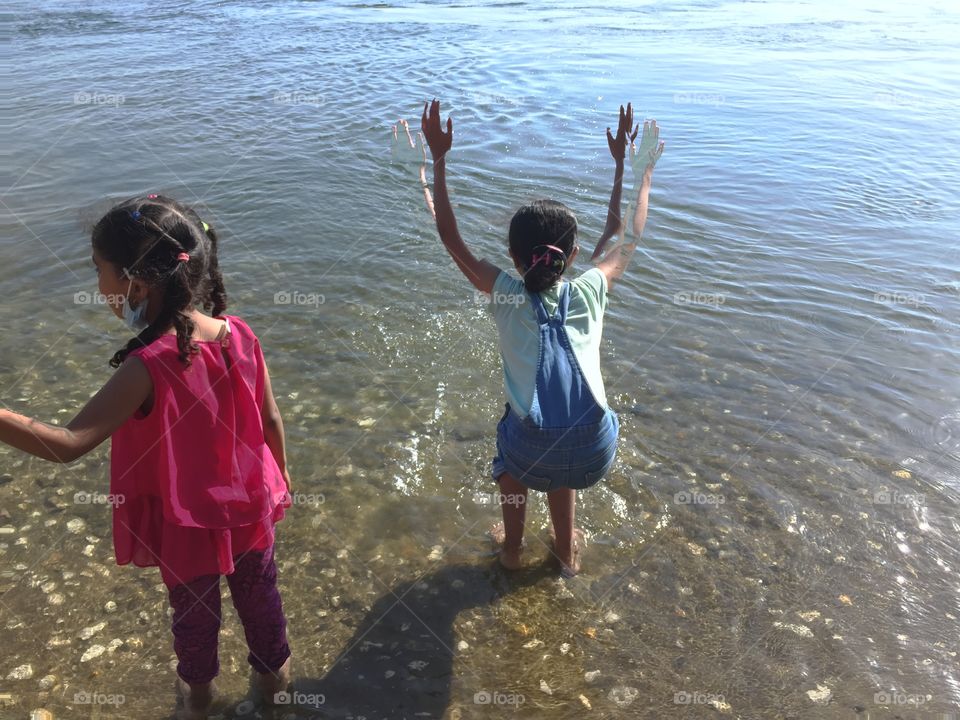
[(76, 525), (821, 696), (623, 695), (89, 632), (94, 651), (801, 630), (22, 672)]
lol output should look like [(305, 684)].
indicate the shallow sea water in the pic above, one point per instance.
[(778, 538)]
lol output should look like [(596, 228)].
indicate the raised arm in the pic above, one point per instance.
[(116, 401), (643, 160), (479, 272), (618, 149)]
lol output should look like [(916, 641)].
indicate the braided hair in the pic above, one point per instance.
[(542, 237), (145, 238)]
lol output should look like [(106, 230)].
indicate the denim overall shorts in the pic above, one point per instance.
[(568, 440)]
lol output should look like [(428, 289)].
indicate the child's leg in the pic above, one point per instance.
[(513, 505), (196, 627), (253, 586), (566, 548)]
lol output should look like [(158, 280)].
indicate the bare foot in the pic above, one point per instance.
[(196, 700), (510, 557), (271, 683), (569, 564)]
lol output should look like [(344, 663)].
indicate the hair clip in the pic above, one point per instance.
[(135, 214), (546, 257), (206, 228), (183, 257), (152, 197)]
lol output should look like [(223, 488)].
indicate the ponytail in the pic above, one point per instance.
[(216, 301)]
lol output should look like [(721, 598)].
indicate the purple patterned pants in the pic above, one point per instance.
[(196, 618)]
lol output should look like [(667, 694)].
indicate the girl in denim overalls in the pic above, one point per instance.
[(557, 435)]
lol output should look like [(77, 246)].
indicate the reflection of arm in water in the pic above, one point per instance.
[(413, 152), (479, 272), (618, 149), (615, 261)]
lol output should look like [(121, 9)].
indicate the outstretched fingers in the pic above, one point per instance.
[(406, 127)]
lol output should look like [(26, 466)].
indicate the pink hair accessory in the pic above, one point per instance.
[(152, 197), (183, 257), (545, 257)]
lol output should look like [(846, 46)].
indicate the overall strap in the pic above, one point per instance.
[(563, 303), (538, 307)]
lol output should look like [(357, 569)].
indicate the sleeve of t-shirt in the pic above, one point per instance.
[(504, 297), (593, 285)]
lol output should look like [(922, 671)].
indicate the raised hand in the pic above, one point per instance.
[(618, 148), (438, 140), (643, 158), (618, 144), (405, 150)]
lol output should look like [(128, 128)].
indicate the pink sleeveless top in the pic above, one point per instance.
[(194, 481)]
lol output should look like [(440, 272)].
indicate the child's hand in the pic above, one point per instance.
[(618, 144), (407, 152), (438, 140), (644, 158)]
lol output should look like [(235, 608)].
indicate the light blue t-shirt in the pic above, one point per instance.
[(520, 335)]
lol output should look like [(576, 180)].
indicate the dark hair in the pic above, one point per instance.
[(143, 238), (542, 222)]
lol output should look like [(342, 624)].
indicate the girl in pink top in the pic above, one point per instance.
[(198, 472)]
